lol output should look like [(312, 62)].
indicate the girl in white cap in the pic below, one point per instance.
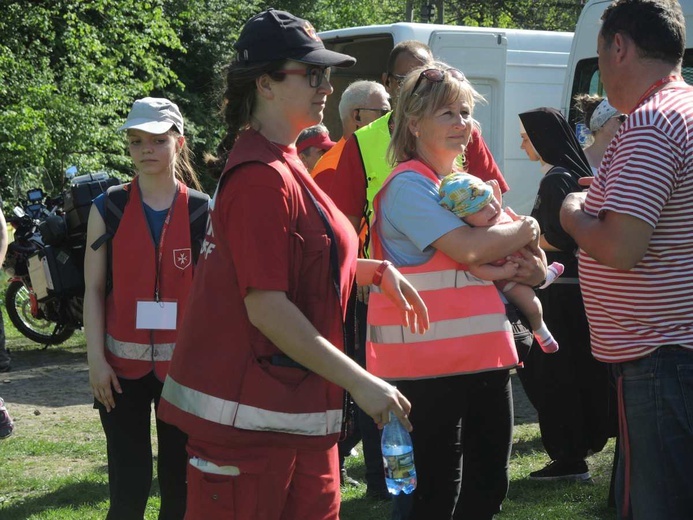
[(136, 292)]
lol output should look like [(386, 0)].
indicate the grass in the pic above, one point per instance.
[(54, 467)]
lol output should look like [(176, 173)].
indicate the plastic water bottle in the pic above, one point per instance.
[(398, 457)]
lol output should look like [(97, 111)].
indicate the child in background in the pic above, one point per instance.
[(473, 201)]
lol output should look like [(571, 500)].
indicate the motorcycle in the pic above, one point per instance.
[(45, 260)]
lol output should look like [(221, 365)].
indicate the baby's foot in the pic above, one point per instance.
[(548, 345), (552, 272)]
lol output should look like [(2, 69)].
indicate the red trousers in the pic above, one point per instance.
[(271, 484)]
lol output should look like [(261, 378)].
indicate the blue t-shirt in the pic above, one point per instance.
[(410, 219), (155, 218)]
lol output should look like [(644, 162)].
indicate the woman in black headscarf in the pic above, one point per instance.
[(570, 389)]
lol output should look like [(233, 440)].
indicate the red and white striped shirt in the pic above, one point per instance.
[(647, 172)]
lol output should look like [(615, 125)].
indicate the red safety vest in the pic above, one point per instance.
[(469, 329), (132, 352), (224, 386)]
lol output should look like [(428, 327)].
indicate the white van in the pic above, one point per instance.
[(583, 73), (515, 70)]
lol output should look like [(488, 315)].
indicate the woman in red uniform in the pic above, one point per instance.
[(259, 371), (134, 301)]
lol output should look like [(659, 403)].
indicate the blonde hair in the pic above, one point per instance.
[(429, 97)]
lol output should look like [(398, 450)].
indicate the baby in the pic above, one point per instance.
[(473, 201)]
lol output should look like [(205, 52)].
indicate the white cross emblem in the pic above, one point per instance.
[(182, 258)]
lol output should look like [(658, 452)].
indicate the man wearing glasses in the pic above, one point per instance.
[(361, 103)]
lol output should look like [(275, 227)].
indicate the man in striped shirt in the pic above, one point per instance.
[(635, 231)]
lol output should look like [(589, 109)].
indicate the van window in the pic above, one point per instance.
[(587, 80)]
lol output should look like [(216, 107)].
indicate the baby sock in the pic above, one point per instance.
[(545, 339), (552, 272)]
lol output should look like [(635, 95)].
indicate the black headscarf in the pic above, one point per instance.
[(555, 141)]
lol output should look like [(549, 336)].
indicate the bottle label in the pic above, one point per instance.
[(399, 466)]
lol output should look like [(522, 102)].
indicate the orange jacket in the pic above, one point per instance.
[(132, 352), (469, 330)]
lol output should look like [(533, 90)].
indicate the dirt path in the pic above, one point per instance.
[(56, 380), (46, 382)]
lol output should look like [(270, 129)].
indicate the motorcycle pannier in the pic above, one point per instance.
[(78, 198), (53, 272)]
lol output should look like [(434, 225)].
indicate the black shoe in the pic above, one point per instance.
[(562, 470), (346, 480), (381, 495)]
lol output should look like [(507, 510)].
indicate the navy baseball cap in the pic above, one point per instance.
[(277, 35)]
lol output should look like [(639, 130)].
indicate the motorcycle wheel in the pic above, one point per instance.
[(18, 305)]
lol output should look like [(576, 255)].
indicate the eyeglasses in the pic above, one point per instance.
[(399, 78), (381, 111), (437, 75), (315, 75)]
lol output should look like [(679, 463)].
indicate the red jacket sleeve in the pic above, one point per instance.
[(480, 162)]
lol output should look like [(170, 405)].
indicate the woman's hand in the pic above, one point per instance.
[(378, 398), (103, 380), (413, 309)]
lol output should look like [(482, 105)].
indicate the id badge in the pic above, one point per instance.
[(156, 315)]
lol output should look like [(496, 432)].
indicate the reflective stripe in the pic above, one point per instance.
[(232, 413), (139, 351), (209, 467), (447, 279), (445, 329)]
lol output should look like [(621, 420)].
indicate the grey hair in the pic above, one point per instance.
[(356, 95)]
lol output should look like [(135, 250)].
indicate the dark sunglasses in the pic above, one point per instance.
[(315, 75), (437, 75), (381, 111)]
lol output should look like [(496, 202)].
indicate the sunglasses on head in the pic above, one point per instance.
[(437, 75), (315, 75)]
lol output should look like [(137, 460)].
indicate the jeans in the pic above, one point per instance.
[(657, 393), (128, 439)]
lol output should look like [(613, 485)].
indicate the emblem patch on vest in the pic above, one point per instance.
[(182, 258)]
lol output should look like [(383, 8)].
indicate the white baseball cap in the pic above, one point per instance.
[(154, 116)]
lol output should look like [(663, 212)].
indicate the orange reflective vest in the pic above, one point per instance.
[(469, 329), (229, 385), (132, 352), (330, 160)]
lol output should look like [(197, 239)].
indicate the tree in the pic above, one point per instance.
[(68, 72)]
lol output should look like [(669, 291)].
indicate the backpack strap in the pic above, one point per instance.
[(115, 200)]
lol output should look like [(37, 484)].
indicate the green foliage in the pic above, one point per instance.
[(70, 69), (548, 15), (68, 72)]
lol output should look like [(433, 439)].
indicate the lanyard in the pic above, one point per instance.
[(160, 245), (655, 86)]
